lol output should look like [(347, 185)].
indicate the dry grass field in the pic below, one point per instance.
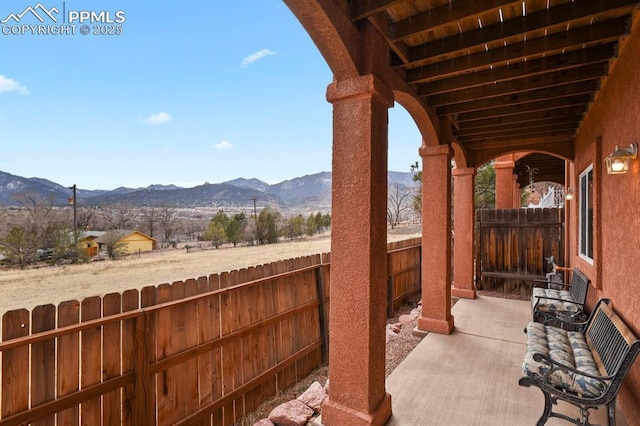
[(30, 288)]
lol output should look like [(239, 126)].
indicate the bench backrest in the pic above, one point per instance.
[(613, 345), (579, 286)]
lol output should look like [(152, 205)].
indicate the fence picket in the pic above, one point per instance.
[(43, 356), (164, 380), (129, 303), (68, 360), (15, 364), (111, 363), (90, 360), (189, 371)]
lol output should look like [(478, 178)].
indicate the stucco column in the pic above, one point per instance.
[(358, 292), (504, 181), (436, 240), (463, 225), (516, 192)]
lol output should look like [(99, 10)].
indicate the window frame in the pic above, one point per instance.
[(586, 198)]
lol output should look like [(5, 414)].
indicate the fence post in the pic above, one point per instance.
[(324, 331), (144, 402), (390, 309)]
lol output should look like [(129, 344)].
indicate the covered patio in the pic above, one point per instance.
[(471, 377), (483, 80)]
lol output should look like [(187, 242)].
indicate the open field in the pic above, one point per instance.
[(30, 288)]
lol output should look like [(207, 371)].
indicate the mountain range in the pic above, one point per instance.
[(311, 191)]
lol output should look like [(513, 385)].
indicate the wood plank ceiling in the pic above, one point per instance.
[(516, 73)]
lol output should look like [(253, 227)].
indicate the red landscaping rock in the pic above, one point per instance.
[(313, 396), (263, 422), (292, 413), (404, 319)]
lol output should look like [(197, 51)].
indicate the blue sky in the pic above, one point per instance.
[(190, 92)]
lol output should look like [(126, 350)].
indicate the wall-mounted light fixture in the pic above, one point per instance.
[(568, 195), (618, 161)]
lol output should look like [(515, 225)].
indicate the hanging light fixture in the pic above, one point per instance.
[(618, 161), (568, 195)]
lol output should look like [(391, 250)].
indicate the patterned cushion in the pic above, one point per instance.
[(566, 306), (565, 347)]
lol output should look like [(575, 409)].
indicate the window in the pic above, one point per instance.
[(586, 214)]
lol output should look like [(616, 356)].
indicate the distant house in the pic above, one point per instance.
[(135, 241), (89, 242)]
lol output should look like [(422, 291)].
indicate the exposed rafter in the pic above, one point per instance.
[(504, 75)]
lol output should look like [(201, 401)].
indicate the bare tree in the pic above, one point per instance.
[(17, 246), (115, 247), (39, 216), (416, 203), (397, 203), (86, 218), (167, 218), (150, 216), (119, 216)]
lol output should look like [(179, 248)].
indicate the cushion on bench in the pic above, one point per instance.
[(565, 306), (568, 348)]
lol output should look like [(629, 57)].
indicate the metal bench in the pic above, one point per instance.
[(548, 303), (585, 367)]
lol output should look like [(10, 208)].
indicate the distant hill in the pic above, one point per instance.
[(12, 185), (207, 195), (311, 191), (307, 190)]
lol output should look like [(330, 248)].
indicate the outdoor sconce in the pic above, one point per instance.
[(569, 194), (618, 160)]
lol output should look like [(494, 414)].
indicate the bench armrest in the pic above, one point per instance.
[(554, 365), (546, 284)]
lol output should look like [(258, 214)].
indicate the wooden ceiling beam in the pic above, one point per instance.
[(524, 125), (442, 16), (558, 15), (519, 132), (520, 144), (482, 96), (513, 141), (532, 95), (525, 108), (379, 23), (549, 64), (588, 35), (530, 143), (521, 117), (511, 88), (363, 9)]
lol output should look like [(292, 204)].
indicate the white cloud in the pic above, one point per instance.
[(155, 119), (256, 57), (11, 85), (223, 145)]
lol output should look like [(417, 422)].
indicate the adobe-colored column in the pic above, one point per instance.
[(463, 225), (504, 181), (436, 240), (358, 292), (516, 192)]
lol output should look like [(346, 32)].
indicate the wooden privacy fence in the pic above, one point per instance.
[(511, 246), (201, 351)]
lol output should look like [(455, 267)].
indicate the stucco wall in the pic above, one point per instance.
[(614, 119)]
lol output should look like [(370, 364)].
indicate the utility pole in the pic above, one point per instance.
[(255, 210), (75, 219), (255, 217)]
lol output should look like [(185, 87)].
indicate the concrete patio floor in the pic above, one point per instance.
[(471, 376)]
